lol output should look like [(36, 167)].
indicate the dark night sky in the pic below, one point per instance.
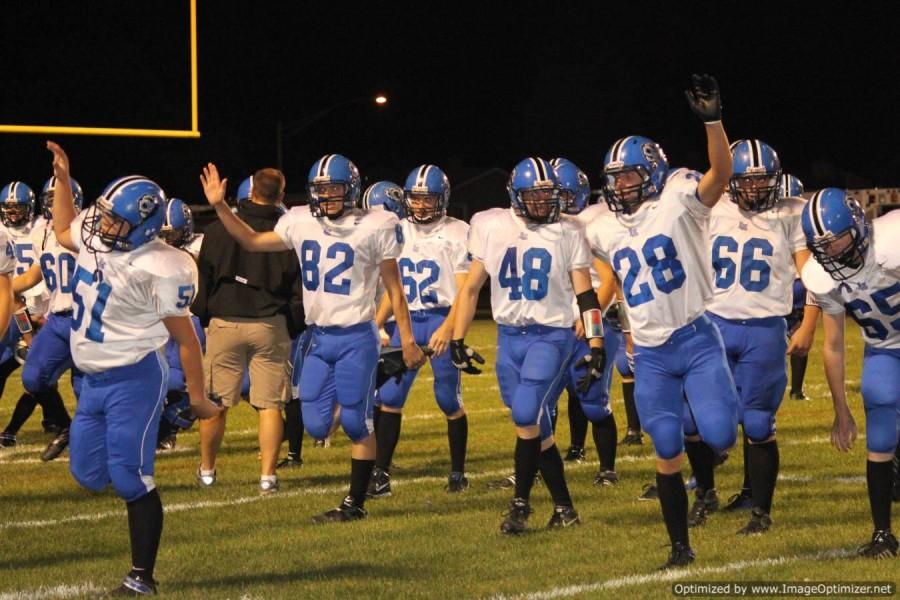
[(470, 86)]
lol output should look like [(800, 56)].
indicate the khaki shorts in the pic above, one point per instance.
[(263, 345)]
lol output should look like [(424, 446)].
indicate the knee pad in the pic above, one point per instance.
[(525, 414), (357, 425), (96, 480), (314, 423), (687, 421), (719, 432), (449, 401), (391, 395), (128, 482), (667, 436), (759, 425), (31, 378), (881, 429), (596, 412)]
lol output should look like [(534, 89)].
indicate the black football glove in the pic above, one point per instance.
[(462, 357), (703, 98), (595, 364), (391, 365)]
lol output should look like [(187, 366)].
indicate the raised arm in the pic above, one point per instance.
[(63, 208), (250, 240), (704, 100)]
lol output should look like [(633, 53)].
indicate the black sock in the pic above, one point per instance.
[(674, 502), (551, 466), (702, 459), (458, 437), (528, 456), (21, 413), (578, 422), (360, 473), (880, 479), (293, 428), (762, 462), (554, 416), (631, 413), (745, 486), (386, 437), (165, 430), (145, 523), (376, 416), (605, 434), (6, 369), (54, 409), (798, 372)]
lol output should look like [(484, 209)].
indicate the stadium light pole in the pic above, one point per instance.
[(283, 133)]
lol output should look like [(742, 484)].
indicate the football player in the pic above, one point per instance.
[(130, 292), (388, 196), (593, 402), (856, 268), (49, 356), (758, 249), (433, 266), (178, 228), (537, 263), (342, 251), (655, 241), (17, 207)]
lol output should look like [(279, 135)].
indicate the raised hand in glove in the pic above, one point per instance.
[(703, 98), (595, 364), (463, 357)]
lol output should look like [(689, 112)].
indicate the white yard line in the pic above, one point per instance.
[(58, 591), (671, 575)]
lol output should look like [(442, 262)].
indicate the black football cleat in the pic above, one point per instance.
[(574, 454), (704, 504), (7, 440), (516, 518), (883, 545), (760, 522), (56, 447), (799, 395), (507, 483), (606, 479), (632, 438), (133, 586), (680, 556), (291, 462), (649, 492), (563, 516), (720, 458), (347, 511), (379, 484), (457, 482), (167, 443), (739, 501)]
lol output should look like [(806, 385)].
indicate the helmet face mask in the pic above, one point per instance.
[(333, 186), (426, 194), (329, 199), (173, 237), (842, 255), (755, 192), (540, 204), (575, 189), (627, 187), (15, 214), (424, 207)]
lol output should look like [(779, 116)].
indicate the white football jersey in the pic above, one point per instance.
[(37, 298), (586, 216), (57, 266), (7, 254), (753, 266), (660, 254), (432, 255), (872, 296), (529, 266), (193, 247), (339, 261), (120, 298)]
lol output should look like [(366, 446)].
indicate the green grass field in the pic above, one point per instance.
[(57, 540)]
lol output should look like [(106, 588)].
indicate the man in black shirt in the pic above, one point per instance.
[(251, 302)]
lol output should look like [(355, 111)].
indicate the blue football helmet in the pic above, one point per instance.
[(754, 176), (178, 411), (427, 186), (47, 196), (333, 178), (129, 213), (576, 189), (386, 194), (534, 191), (16, 204), (244, 190), (178, 224), (836, 232), (790, 186), (633, 154)]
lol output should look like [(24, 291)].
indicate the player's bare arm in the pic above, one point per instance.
[(803, 338), (6, 302), (843, 432), (440, 339), (182, 331), (253, 241), (704, 99), (466, 302), (390, 275), (63, 209), (27, 280)]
